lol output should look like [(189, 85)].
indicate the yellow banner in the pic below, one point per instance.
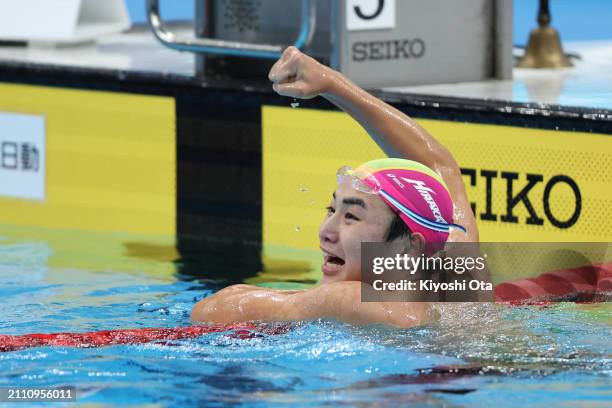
[(527, 185), (111, 160)]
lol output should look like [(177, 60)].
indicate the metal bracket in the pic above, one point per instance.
[(233, 48)]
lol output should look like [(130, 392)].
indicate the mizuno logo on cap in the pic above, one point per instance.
[(425, 191)]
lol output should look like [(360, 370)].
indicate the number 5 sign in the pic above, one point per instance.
[(370, 14)]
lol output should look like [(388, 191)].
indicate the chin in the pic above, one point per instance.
[(326, 279), (331, 279)]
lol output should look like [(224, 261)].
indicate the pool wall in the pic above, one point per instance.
[(226, 167)]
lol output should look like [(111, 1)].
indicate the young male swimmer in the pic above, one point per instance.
[(372, 203)]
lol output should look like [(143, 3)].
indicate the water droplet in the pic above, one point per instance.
[(295, 104), (298, 228), (303, 190), (312, 202)]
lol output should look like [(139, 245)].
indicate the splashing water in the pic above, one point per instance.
[(477, 354)]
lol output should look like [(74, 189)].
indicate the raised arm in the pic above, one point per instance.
[(339, 300), (300, 76)]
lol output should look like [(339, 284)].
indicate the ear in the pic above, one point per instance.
[(413, 245), (417, 243)]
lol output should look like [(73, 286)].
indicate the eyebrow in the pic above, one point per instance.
[(353, 201)]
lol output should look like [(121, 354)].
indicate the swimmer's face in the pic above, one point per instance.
[(353, 217)]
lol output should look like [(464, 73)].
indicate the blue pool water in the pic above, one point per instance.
[(530, 356)]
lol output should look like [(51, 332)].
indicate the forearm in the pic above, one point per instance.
[(240, 303), (300, 76), (340, 300), (393, 130), (398, 134)]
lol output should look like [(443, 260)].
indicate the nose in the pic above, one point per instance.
[(328, 232)]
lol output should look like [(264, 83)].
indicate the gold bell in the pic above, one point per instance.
[(544, 49)]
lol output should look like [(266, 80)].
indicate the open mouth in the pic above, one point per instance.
[(331, 264)]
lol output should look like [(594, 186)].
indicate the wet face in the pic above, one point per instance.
[(353, 217)]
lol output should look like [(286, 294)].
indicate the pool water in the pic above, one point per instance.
[(559, 355)]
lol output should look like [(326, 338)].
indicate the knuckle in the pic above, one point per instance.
[(289, 51), (294, 53)]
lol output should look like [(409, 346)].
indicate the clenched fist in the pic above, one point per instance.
[(297, 75)]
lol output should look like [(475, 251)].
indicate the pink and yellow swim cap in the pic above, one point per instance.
[(417, 193)]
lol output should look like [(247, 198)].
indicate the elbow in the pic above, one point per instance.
[(198, 313), (209, 310), (220, 308)]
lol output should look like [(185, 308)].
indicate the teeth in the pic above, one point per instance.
[(332, 263), (332, 266)]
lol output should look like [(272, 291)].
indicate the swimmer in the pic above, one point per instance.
[(419, 217)]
